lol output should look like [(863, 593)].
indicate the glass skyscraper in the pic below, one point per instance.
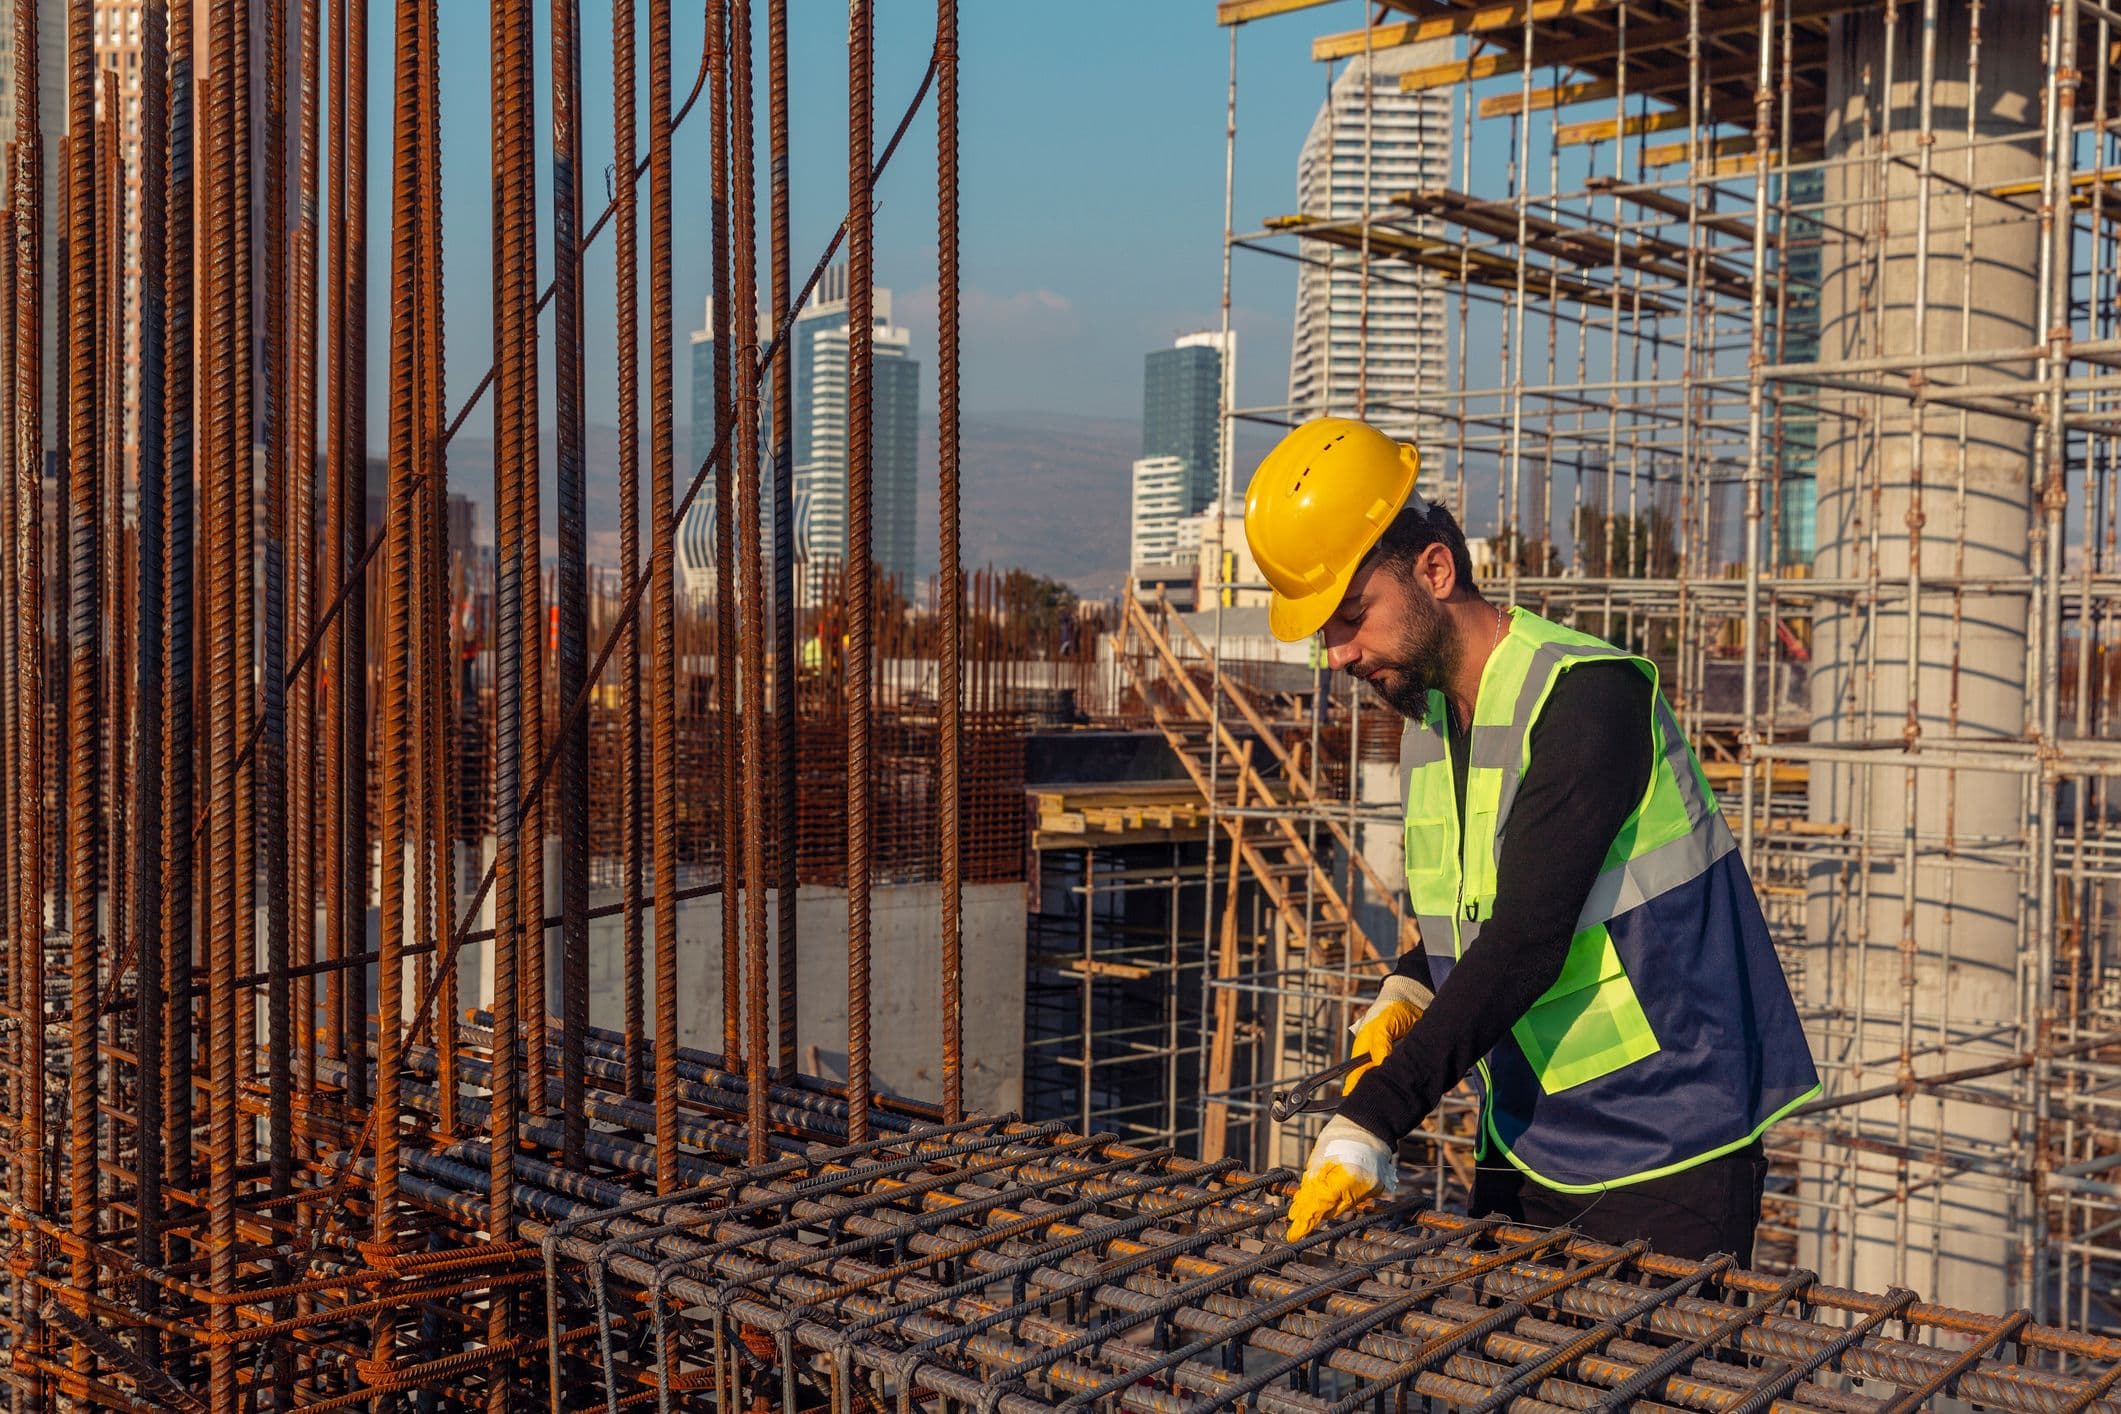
[(1179, 474), (1181, 411), (818, 347), (1379, 354)]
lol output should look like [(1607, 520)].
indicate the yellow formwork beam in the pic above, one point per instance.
[(1607, 129), (1458, 71), (2037, 185), (1505, 15), (1643, 40), (1236, 12), (1671, 154), (1506, 105)]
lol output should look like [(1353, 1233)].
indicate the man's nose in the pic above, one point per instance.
[(1339, 655)]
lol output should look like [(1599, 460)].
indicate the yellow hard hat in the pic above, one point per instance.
[(1315, 507)]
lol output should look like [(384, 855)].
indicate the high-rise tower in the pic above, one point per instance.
[(118, 51), (1180, 470), (1378, 353), (819, 384)]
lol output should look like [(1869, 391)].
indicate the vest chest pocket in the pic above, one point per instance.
[(1432, 869), (1589, 1023)]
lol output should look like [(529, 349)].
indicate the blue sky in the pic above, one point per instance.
[(1092, 173)]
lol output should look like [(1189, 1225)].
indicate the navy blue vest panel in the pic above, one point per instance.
[(1731, 1051)]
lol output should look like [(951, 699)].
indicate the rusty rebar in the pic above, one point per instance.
[(1028, 1269), (573, 583), (84, 555), (303, 547), (518, 856), (12, 1090), (353, 622), (225, 455), (179, 598), (662, 528), (150, 747), (412, 92), (785, 574), (627, 260), (272, 761), (27, 928), (726, 511), (861, 256), (950, 692), (431, 558), (751, 550)]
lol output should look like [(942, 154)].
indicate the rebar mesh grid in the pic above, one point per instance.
[(1015, 1267)]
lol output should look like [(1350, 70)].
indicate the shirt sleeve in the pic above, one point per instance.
[(1591, 760)]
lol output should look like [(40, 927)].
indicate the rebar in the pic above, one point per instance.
[(293, 1183)]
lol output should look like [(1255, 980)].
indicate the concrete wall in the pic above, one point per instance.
[(905, 981)]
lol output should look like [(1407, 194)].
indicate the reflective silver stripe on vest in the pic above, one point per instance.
[(1631, 885), (1438, 927), (1495, 748), (1418, 747)]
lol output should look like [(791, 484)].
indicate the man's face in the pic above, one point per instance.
[(1391, 633)]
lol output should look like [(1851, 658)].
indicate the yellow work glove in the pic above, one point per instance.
[(1348, 1164), (1400, 1003)]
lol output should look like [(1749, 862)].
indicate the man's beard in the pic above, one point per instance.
[(1425, 660)]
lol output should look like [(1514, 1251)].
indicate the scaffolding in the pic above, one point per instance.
[(1782, 349)]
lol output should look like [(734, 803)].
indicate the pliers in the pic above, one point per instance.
[(1304, 1097)]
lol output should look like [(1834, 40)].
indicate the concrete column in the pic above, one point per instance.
[(1964, 919)]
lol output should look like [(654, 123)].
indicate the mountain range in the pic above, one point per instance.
[(1045, 492)]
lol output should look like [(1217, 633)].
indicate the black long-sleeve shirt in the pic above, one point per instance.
[(1591, 759)]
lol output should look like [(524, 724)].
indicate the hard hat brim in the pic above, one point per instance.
[(1293, 618)]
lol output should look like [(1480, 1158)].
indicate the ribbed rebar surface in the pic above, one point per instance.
[(1018, 1267)]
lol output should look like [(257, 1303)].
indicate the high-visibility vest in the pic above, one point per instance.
[(1670, 1036)]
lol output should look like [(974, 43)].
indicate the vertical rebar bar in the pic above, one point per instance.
[(303, 546), (950, 691), (722, 319), (351, 660), (179, 601), (28, 473), (149, 745), (662, 527), (574, 564), (785, 577), (430, 632), (624, 67), (744, 365), (396, 820), (223, 369), (517, 852), (84, 552), (861, 257), (273, 815)]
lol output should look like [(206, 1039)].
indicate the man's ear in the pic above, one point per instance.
[(1437, 571)]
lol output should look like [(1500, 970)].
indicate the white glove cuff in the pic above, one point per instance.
[(1396, 988), (1357, 1150)]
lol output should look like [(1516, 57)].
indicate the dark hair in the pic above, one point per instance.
[(1414, 530)]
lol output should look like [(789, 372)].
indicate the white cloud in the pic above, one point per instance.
[(1024, 316)]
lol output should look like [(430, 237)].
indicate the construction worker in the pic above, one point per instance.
[(1590, 943)]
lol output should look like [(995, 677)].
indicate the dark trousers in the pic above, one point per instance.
[(1699, 1212)]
